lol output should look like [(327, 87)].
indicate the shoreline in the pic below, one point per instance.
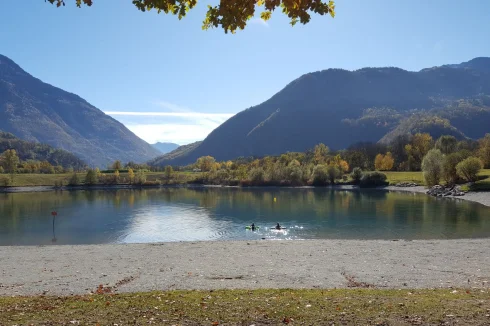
[(212, 265), (481, 197)]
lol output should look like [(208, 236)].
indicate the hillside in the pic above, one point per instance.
[(164, 148), (38, 112), (181, 151), (339, 108), (39, 152)]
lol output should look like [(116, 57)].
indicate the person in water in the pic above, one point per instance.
[(278, 227), (252, 226)]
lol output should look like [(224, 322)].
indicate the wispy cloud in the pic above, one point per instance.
[(172, 114), (181, 125), (259, 21)]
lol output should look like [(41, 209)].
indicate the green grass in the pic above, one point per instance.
[(259, 307), (24, 180), (484, 183), (396, 177)]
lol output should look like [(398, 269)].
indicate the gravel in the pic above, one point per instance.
[(479, 197), (65, 270)]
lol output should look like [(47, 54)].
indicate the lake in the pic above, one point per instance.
[(192, 214)]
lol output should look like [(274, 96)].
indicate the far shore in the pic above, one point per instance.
[(482, 197)]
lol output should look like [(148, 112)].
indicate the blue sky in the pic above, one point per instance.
[(122, 60)]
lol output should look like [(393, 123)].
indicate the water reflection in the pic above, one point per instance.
[(175, 214)]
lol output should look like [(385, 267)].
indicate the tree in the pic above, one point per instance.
[(74, 180), (384, 162), (140, 177), (10, 161), (117, 165), (356, 158), (131, 175), (206, 163), (446, 144), (46, 167), (116, 176), (420, 146), (378, 162), (432, 167), (320, 175), (257, 175), (484, 150), (320, 153), (168, 172), (388, 162), (2, 170), (342, 165), (468, 169), (449, 172), (91, 177), (397, 148), (333, 173), (231, 15)]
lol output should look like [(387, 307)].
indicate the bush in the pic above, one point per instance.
[(91, 177), (373, 179), (58, 183), (356, 175), (432, 167), (74, 180), (168, 172), (105, 179), (468, 169), (5, 181)]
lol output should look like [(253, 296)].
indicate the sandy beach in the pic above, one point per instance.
[(65, 270)]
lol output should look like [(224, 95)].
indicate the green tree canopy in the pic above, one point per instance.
[(10, 160), (446, 144), (228, 14), (432, 167)]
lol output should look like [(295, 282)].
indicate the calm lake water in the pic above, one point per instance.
[(155, 215)]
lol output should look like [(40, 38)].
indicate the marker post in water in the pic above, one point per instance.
[(54, 214)]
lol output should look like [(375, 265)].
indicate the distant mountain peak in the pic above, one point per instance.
[(38, 112), (164, 147)]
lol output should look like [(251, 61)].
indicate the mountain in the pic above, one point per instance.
[(165, 147), (339, 108), (39, 152), (38, 112), (181, 151)]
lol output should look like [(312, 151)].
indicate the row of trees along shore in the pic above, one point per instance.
[(445, 159)]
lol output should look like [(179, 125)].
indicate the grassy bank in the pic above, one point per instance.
[(30, 180), (484, 183), (396, 177), (259, 307)]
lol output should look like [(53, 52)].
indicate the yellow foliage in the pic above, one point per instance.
[(384, 162), (231, 15)]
